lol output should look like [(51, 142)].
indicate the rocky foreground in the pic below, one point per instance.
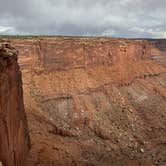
[(94, 101)]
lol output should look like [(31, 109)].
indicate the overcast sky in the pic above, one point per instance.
[(116, 18)]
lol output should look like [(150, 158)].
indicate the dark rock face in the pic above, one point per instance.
[(14, 139), (158, 51)]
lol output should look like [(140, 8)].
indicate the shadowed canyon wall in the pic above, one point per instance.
[(14, 140), (94, 101)]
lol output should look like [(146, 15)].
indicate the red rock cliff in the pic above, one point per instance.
[(68, 53), (14, 141), (95, 101)]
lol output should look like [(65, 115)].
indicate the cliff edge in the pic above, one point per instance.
[(14, 140)]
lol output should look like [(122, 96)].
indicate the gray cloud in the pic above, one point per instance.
[(117, 18)]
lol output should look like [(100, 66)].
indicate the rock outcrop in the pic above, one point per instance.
[(55, 54), (95, 101), (14, 138)]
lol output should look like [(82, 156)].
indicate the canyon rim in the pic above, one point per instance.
[(88, 101)]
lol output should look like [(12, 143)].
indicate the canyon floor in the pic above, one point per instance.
[(94, 101)]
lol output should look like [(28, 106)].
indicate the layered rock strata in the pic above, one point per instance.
[(95, 101)]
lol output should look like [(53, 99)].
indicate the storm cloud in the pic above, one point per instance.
[(116, 18)]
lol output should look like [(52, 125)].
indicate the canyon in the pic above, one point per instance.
[(94, 101)]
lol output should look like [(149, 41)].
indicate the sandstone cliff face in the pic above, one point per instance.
[(95, 101), (158, 51), (63, 54), (14, 140)]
